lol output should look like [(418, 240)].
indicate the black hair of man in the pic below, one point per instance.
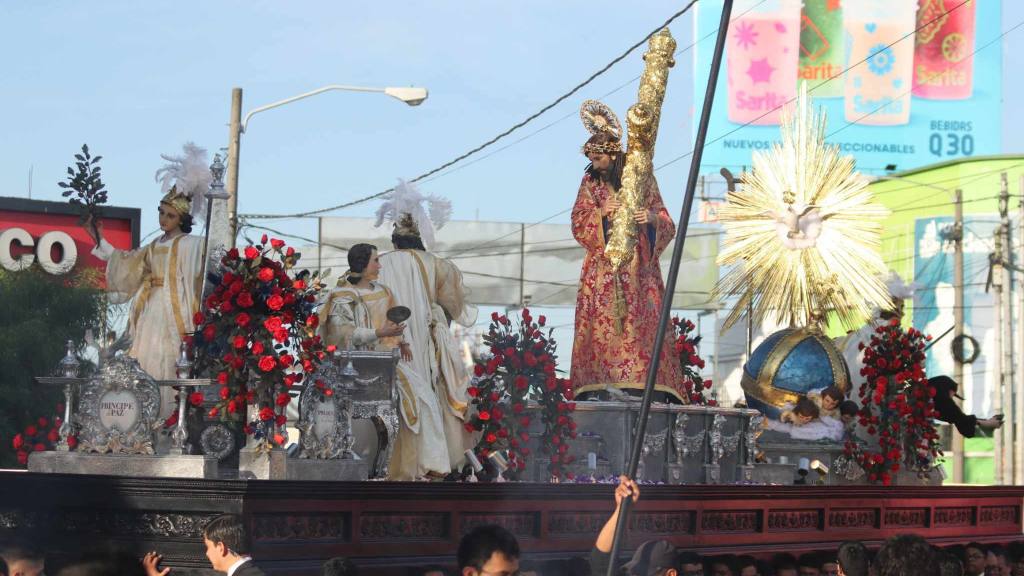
[(477, 547), (359, 257), (853, 558), (338, 566), (907, 555), (404, 242), (783, 561), (949, 564), (229, 529)]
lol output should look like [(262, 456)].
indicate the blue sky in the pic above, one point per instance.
[(136, 79)]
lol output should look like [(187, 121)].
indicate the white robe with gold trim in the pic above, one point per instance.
[(431, 287)]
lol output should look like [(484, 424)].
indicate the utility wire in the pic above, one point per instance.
[(514, 127)]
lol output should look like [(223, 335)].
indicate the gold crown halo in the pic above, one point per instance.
[(181, 203), (603, 148), (406, 226)]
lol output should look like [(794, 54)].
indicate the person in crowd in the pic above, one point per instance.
[(784, 565), (808, 565), (724, 565), (907, 555), (829, 565), (945, 405), (578, 566), (1016, 553), (488, 550), (338, 566), (974, 559), (996, 561), (853, 559), (227, 549), (748, 566), (652, 558), (3, 568), (227, 546), (24, 561), (949, 563)]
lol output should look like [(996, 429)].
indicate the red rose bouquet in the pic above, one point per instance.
[(897, 405), (40, 435), (521, 368), (256, 336), (685, 347)]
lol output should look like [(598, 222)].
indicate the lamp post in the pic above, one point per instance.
[(410, 95)]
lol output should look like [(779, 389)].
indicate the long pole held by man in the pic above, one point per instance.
[(673, 273)]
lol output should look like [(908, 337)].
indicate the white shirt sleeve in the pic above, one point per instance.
[(104, 251)]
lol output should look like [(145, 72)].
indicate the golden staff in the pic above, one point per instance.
[(642, 120)]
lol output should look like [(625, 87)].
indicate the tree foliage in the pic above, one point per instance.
[(40, 313)]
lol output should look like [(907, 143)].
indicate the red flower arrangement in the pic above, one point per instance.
[(521, 368), (40, 435), (685, 346), (897, 405), (256, 335)]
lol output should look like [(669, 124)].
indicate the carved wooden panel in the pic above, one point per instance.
[(906, 517), (795, 520), (853, 518), (575, 524), (108, 523), (336, 527), (662, 524), (391, 526), (954, 516), (999, 515), (729, 521), (521, 525)]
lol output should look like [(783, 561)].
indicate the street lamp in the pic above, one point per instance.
[(410, 95)]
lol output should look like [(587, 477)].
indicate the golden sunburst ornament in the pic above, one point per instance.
[(803, 234)]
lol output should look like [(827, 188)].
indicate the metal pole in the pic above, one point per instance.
[(958, 321), (670, 283), (234, 142), (997, 396), (522, 264), (1006, 375), (1015, 422)]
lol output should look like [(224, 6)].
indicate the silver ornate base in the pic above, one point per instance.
[(169, 466), (258, 465), (328, 470)]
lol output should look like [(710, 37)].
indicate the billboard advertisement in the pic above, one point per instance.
[(904, 82), (48, 235)]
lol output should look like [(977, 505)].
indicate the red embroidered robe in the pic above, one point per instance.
[(600, 354)]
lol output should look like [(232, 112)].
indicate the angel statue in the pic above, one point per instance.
[(164, 278)]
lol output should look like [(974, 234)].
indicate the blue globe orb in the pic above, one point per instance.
[(789, 364)]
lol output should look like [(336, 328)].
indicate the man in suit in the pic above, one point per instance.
[(227, 549)]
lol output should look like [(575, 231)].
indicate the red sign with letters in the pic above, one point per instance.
[(47, 234)]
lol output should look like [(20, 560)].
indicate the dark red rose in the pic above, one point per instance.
[(239, 342), (244, 300), (30, 431), (257, 348), (265, 274), (283, 399), (266, 413), (267, 363), (281, 420), (275, 302), (18, 441), (277, 244), (242, 320), (195, 398), (251, 252), (209, 332)]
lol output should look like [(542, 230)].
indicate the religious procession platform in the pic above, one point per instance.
[(390, 525)]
